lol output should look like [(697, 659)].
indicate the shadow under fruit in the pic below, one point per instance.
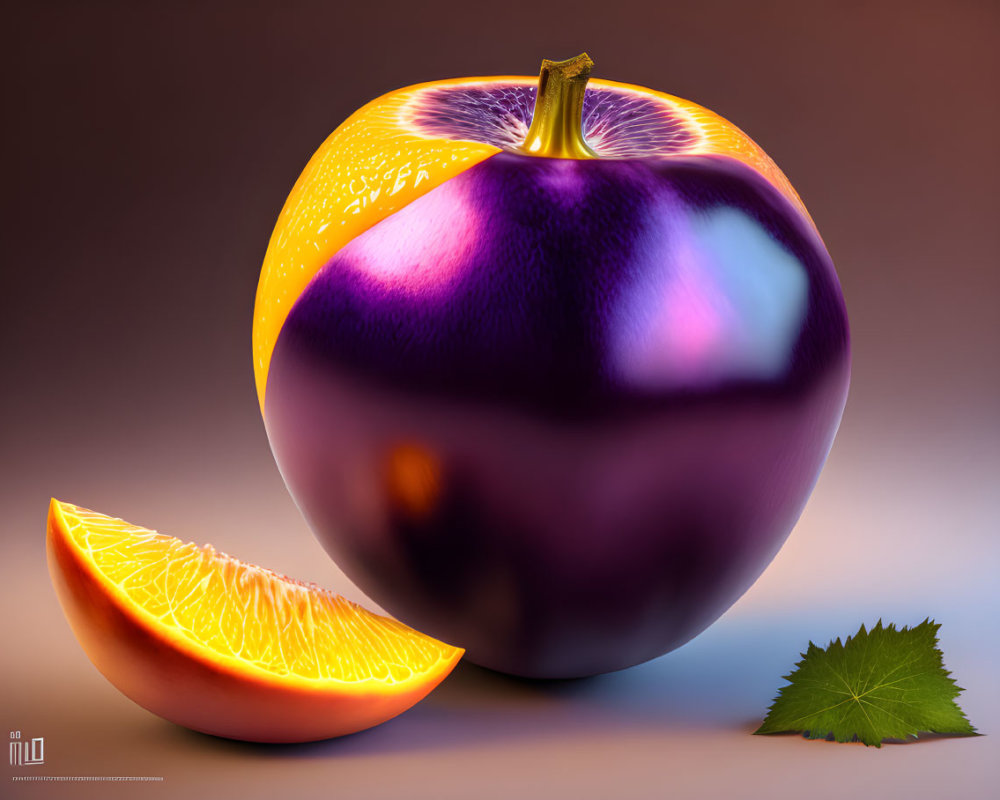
[(551, 374)]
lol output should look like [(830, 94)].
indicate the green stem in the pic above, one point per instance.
[(557, 123)]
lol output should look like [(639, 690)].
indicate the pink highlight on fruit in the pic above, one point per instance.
[(695, 325), (419, 250), (722, 301)]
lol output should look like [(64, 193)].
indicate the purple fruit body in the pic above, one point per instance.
[(563, 413)]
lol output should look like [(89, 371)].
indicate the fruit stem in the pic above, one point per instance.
[(557, 122)]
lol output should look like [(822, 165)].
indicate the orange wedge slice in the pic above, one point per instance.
[(229, 648)]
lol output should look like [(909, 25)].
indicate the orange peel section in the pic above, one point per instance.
[(369, 167), (376, 162), (230, 648)]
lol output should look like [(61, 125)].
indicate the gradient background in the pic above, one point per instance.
[(147, 152)]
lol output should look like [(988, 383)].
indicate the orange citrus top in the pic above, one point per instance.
[(378, 161)]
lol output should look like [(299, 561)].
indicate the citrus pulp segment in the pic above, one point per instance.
[(230, 648)]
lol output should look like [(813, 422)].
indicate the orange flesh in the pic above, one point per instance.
[(227, 647), (376, 162), (246, 613)]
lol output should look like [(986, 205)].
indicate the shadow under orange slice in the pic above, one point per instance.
[(229, 648)]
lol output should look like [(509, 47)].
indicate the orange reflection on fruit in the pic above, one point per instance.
[(229, 648), (413, 480)]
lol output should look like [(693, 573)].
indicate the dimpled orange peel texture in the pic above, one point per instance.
[(378, 161), (229, 648)]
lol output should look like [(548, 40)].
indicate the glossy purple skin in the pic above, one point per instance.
[(625, 376)]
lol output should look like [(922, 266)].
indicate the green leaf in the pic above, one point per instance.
[(882, 684)]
